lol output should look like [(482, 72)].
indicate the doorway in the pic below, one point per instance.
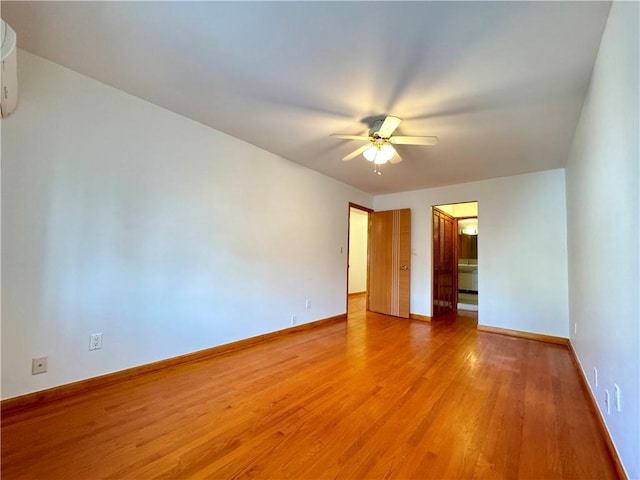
[(455, 259), (379, 260), (357, 256)]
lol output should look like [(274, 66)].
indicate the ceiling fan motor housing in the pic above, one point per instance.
[(375, 128)]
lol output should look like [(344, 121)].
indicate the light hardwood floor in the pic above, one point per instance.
[(374, 397)]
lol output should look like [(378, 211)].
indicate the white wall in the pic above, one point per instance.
[(522, 249), (359, 226), (167, 236), (602, 212)]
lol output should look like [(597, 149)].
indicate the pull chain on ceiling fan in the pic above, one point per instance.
[(379, 147)]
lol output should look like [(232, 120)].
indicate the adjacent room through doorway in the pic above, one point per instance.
[(468, 264), (357, 255)]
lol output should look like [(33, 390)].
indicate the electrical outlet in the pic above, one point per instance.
[(38, 365), (294, 319), (607, 402), (595, 377), (307, 304), (95, 342), (616, 397)]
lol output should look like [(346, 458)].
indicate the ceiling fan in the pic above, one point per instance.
[(379, 147)]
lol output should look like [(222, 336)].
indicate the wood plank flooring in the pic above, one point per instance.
[(375, 397)]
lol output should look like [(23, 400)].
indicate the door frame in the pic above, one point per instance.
[(368, 212), (476, 216)]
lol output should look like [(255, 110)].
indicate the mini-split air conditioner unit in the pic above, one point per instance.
[(9, 93)]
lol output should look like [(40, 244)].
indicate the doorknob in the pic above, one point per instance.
[(404, 267)]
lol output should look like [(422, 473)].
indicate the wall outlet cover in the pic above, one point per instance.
[(39, 365)]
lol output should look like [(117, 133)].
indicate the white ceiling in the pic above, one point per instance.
[(500, 83)]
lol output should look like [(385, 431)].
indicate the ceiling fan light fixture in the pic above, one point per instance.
[(379, 154), (378, 148), (370, 153)]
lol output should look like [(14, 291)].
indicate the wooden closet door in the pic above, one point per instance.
[(389, 276), (445, 263)]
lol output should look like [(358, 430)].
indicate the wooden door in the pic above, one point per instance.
[(389, 275), (445, 263)]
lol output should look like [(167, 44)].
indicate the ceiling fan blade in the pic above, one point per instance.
[(403, 140), (351, 137), (357, 152), (396, 158), (389, 126)]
